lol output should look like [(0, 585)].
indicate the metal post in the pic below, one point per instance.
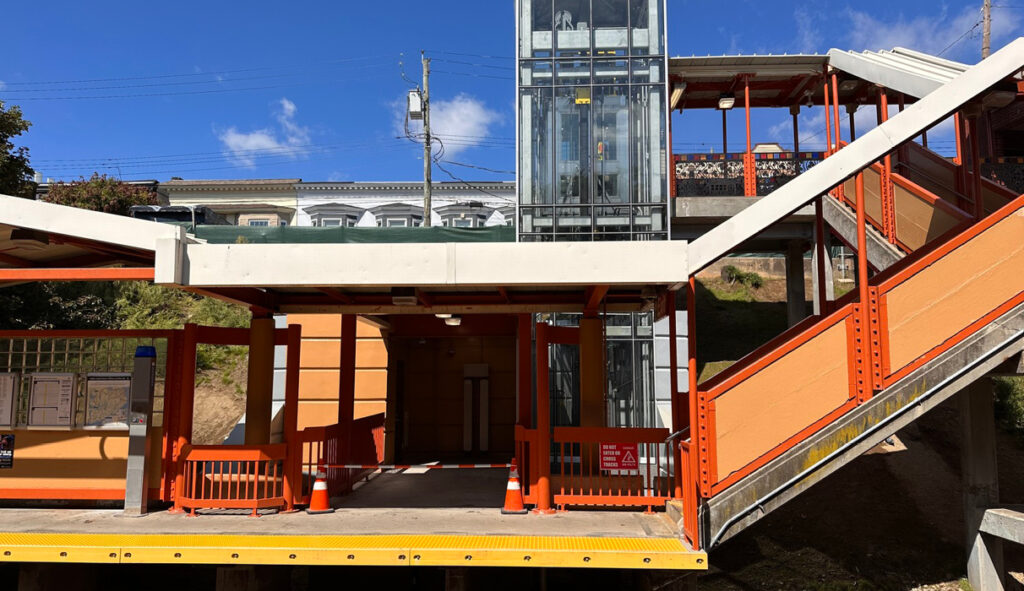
[(140, 417), (427, 153), (794, 110), (986, 29), (979, 196), (851, 109), (796, 297), (888, 220), (725, 132), (293, 458), (543, 452), (346, 384), (524, 367), (749, 164), (823, 290)]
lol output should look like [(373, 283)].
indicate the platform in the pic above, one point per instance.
[(366, 537)]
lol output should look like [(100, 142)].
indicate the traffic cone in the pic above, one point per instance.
[(513, 494), (320, 500)]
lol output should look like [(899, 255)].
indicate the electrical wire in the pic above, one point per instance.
[(960, 38)]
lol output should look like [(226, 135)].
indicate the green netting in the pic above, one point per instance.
[(308, 235)]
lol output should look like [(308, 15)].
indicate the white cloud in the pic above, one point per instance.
[(808, 35), (462, 122), (930, 33), (290, 139)]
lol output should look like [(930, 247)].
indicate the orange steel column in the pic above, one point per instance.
[(888, 206), (749, 164), (828, 123), (862, 283), (259, 393), (347, 383), (592, 372), (524, 371), (835, 109), (293, 457), (543, 451), (698, 419), (172, 398), (186, 406)]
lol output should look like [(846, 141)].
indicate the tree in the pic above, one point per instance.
[(100, 193), (15, 173)]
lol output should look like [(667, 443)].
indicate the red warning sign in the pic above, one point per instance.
[(619, 456)]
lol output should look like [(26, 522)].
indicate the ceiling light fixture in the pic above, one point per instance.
[(453, 321), (726, 101)]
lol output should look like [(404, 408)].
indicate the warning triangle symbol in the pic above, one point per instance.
[(628, 458)]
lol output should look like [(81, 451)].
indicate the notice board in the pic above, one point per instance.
[(620, 456), (52, 400)]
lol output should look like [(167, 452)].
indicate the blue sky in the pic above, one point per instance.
[(314, 90)]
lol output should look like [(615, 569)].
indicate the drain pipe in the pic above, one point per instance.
[(849, 444)]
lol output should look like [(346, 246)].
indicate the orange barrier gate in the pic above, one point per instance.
[(232, 477), (324, 446), (526, 447)]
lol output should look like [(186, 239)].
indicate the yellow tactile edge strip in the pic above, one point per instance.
[(361, 550)]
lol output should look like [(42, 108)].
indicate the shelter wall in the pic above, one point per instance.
[(320, 369)]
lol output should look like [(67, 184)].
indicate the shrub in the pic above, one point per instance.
[(732, 275)]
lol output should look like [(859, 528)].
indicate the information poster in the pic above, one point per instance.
[(52, 400), (106, 400), (619, 456), (8, 396), (6, 451)]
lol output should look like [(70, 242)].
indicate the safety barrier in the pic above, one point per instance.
[(232, 477), (722, 175), (526, 447), (689, 498), (639, 473), (325, 446)]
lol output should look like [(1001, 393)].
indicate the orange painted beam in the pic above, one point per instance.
[(69, 274)]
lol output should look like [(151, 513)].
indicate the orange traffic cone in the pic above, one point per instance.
[(513, 494), (320, 501)]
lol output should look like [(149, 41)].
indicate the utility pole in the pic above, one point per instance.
[(986, 29), (427, 154)]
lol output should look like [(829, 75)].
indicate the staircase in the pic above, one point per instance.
[(945, 307)]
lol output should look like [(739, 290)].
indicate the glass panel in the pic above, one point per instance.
[(647, 70), (564, 385), (535, 22), (618, 325), (572, 28), (649, 219), (570, 72), (611, 155), (572, 139), (611, 71), (648, 174), (643, 324), (572, 219), (613, 219), (535, 73), (611, 22), (537, 219), (535, 145), (620, 383), (648, 31)]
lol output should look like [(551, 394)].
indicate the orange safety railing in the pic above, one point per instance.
[(526, 448), (326, 446), (583, 478), (232, 477), (689, 499)]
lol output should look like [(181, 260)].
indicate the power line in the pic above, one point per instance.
[(484, 168), (961, 37)]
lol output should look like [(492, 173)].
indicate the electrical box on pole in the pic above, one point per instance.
[(415, 105)]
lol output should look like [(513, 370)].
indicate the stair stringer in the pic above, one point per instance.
[(782, 479), (843, 221)]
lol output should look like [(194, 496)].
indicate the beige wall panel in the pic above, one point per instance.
[(322, 384), (326, 354), (317, 413), (318, 325), (371, 384), (782, 399), (963, 286), (917, 221), (366, 330), (872, 200), (71, 459), (365, 408)]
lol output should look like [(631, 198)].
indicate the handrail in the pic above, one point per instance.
[(609, 435)]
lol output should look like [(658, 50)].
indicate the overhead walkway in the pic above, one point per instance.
[(946, 312)]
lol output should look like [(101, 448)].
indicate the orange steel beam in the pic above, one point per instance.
[(78, 274), (749, 165), (593, 297), (504, 295), (524, 369), (334, 294), (887, 196), (260, 302)]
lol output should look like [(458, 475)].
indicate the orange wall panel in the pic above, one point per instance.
[(917, 221), (956, 290), (794, 392)]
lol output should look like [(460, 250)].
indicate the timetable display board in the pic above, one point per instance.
[(9, 384), (106, 400), (52, 400)]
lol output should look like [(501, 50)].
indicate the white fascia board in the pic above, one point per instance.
[(846, 162), (86, 224), (433, 265)]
